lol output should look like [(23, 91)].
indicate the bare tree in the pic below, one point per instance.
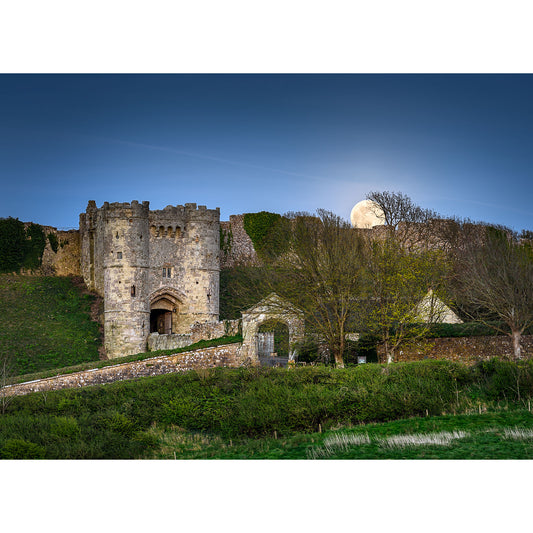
[(495, 280), (407, 222)]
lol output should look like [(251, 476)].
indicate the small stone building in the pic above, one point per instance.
[(158, 271), (270, 308)]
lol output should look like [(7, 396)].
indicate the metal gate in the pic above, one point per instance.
[(265, 350)]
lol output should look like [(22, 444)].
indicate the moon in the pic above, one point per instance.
[(366, 214)]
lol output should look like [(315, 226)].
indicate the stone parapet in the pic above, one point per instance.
[(227, 355)]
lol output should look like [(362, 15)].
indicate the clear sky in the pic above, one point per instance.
[(459, 144)]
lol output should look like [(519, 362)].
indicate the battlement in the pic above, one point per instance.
[(181, 214)]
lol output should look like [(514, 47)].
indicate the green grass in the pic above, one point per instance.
[(46, 323), (486, 440)]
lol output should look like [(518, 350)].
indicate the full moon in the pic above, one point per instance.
[(366, 214)]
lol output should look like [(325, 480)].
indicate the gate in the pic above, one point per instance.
[(265, 350)]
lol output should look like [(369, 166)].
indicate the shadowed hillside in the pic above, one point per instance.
[(47, 322)]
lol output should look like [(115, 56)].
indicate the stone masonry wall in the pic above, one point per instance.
[(242, 249), (214, 330), (467, 350), (226, 355)]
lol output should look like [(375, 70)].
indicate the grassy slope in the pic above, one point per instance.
[(274, 413), (46, 323)]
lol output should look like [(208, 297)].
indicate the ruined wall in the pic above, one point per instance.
[(65, 261), (239, 248), (227, 355), (462, 349)]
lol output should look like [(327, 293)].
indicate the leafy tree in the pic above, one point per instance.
[(320, 273), (396, 282)]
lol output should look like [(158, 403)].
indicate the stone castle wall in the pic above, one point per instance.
[(227, 355), (467, 350)]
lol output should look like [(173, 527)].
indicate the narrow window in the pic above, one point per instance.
[(169, 272), (164, 272), (119, 255), (133, 291)]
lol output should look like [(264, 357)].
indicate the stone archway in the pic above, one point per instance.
[(165, 306), (271, 308)]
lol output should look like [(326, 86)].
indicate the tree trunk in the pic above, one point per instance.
[(339, 362), (517, 349)]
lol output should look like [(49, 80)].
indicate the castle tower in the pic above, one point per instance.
[(126, 260), (158, 271)]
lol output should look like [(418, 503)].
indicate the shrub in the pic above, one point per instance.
[(21, 449)]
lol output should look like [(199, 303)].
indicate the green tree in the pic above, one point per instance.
[(396, 283), (321, 274)]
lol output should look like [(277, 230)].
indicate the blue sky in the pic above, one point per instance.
[(459, 144)]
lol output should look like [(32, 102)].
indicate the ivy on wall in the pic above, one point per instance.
[(269, 232), (226, 241), (20, 247)]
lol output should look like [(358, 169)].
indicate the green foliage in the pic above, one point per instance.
[(21, 449), (20, 247), (12, 244), (35, 244), (54, 242), (46, 323), (239, 290), (115, 421), (269, 232)]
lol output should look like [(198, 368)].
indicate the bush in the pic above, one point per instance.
[(21, 449), (20, 247)]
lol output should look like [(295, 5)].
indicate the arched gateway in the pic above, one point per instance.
[(165, 306), (271, 308)]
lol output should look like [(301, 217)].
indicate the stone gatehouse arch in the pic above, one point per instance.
[(165, 305), (271, 308)]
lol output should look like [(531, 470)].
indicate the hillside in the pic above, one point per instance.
[(47, 322), (310, 412)]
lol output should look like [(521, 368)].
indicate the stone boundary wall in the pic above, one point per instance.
[(467, 350), (172, 341), (214, 330), (227, 355)]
